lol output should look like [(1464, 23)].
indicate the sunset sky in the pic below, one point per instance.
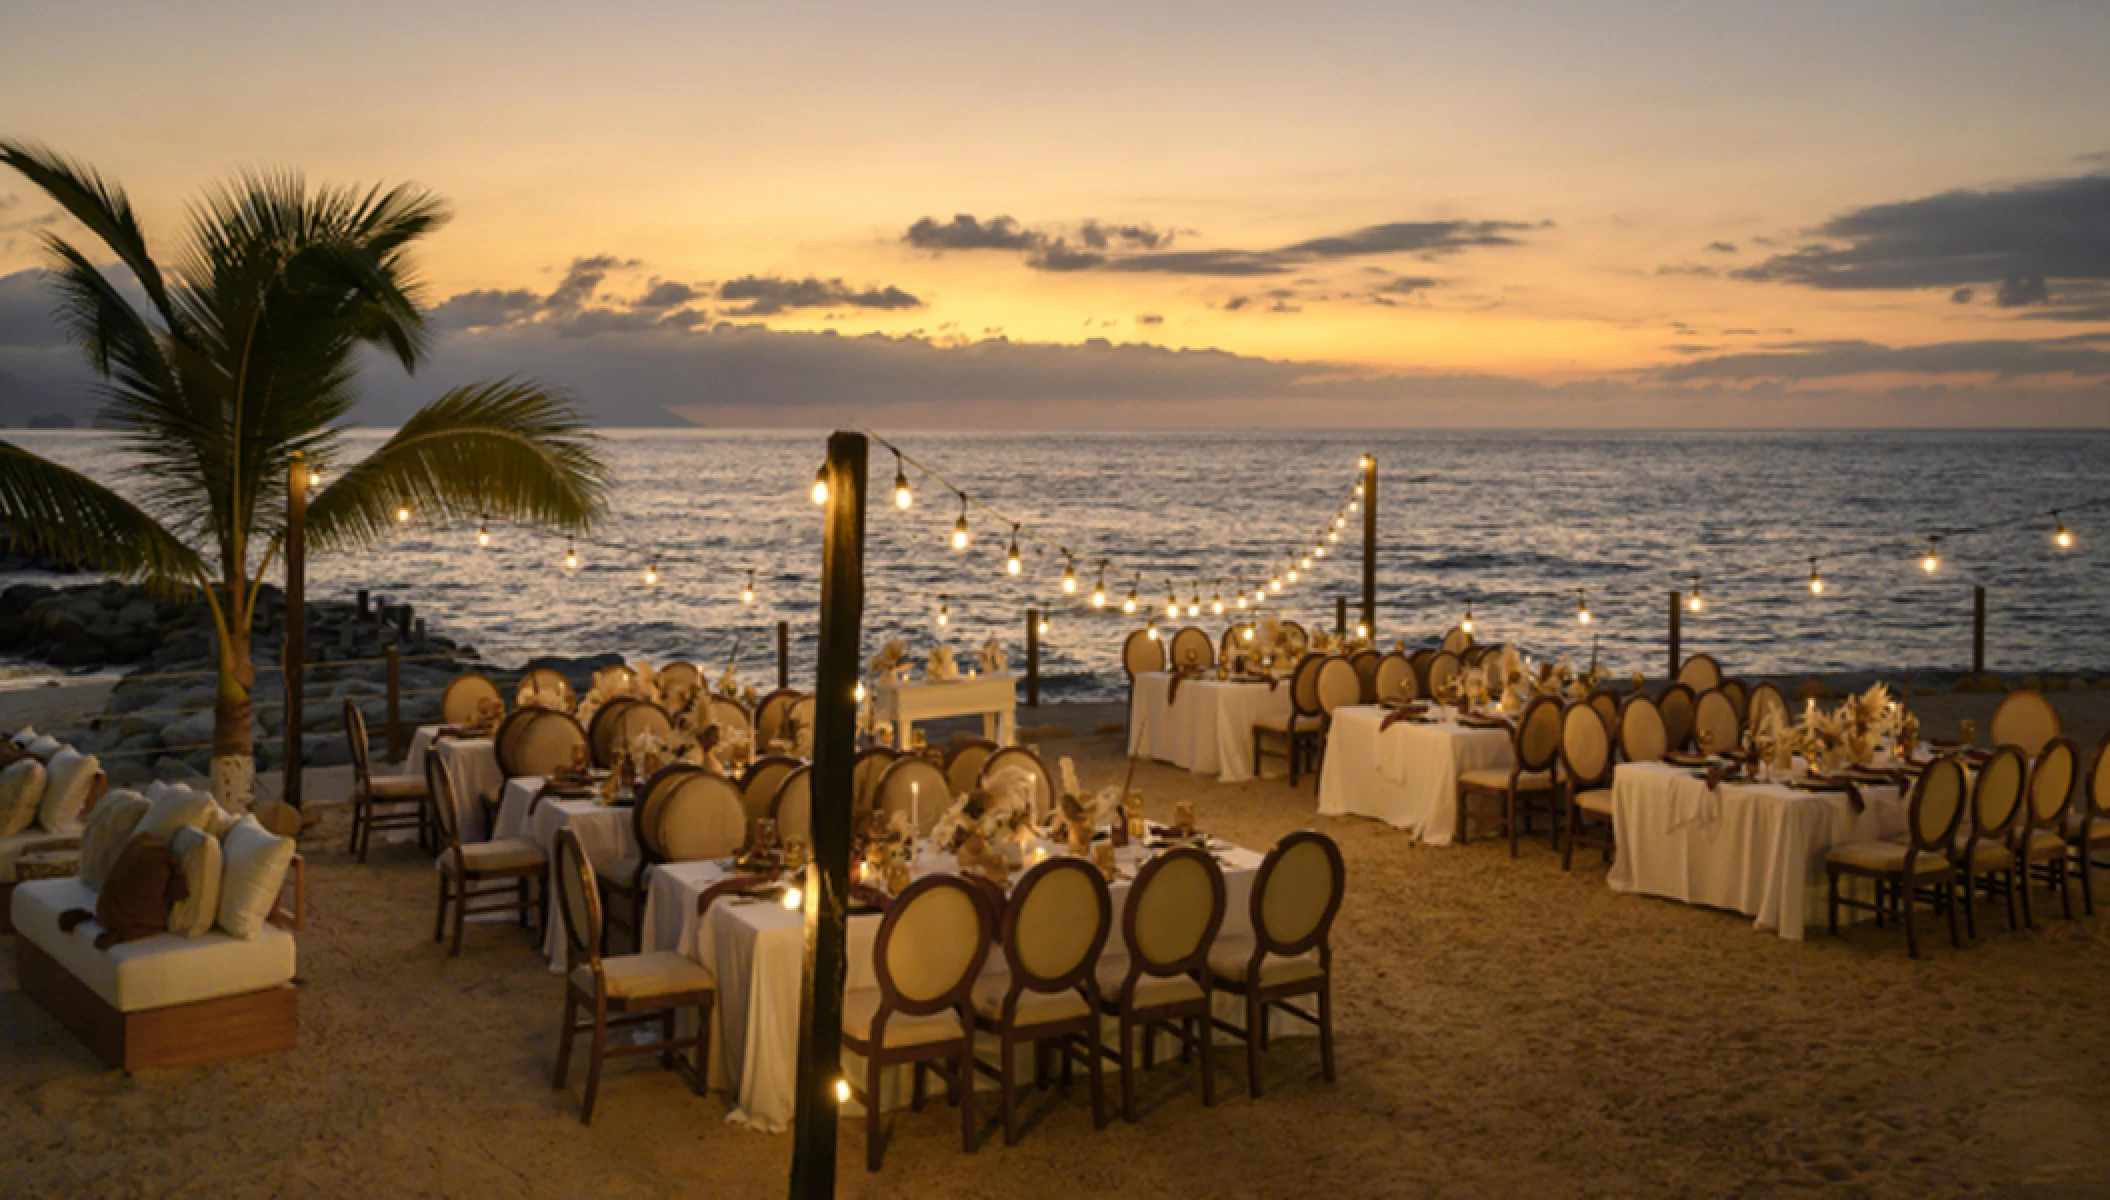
[(1342, 214)]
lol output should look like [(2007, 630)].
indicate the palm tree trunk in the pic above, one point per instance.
[(234, 708)]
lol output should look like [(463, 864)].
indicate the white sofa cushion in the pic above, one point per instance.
[(174, 807), (42, 747), (193, 916), (71, 775), (107, 830), (255, 861), (26, 735), (21, 792), (152, 972)]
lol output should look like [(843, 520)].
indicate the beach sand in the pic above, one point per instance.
[(1504, 1029)]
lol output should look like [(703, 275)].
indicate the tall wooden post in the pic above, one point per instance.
[(1978, 629), (783, 654), (395, 704), (293, 661), (827, 888), (1032, 658), (1340, 616), (1370, 544), (1677, 630)]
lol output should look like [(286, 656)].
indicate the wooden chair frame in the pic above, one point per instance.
[(1899, 893), (2047, 864), (1075, 1039), (1997, 833), (1194, 1018), (1260, 998), (1513, 794), (606, 1011), (960, 750), (1193, 633), (1677, 733), (1708, 664), (1577, 783), (471, 679), (771, 712), (371, 812), (2095, 814), (1300, 744), (465, 887)]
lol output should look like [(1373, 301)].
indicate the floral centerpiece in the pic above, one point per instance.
[(1848, 733), (992, 657), (891, 663), (941, 668)]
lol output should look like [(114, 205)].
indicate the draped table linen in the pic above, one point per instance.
[(472, 770), (1407, 775), (993, 697), (1207, 727), (605, 833), (1752, 848)]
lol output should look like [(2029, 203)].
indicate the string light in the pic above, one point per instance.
[(1129, 605), (2061, 537), (1305, 562), (793, 899), (858, 693), (1467, 624), (1582, 606), (1241, 600), (1069, 578), (1152, 629), (1099, 589), (1172, 600), (959, 527), (1693, 601), (820, 485), (1816, 580), (1012, 565), (1362, 630), (1291, 575), (402, 514), (1194, 602), (1275, 585), (314, 478), (842, 1091), (903, 498), (652, 572), (944, 613), (1932, 561), (1248, 632), (1043, 627), (1319, 550), (1216, 603), (483, 532), (747, 593), (571, 556)]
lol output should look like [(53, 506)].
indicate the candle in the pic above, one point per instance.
[(915, 806)]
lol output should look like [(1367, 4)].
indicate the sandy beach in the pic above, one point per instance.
[(1504, 1029)]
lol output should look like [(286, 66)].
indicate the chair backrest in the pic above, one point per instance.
[(1700, 673), (798, 723), (728, 713), (1192, 650), (1304, 686), (1714, 716), (1394, 678), (1297, 894), (614, 680), (769, 717), (458, 704), (579, 896), (1765, 698), (678, 681), (2051, 784), (701, 816), (639, 719), (540, 745), (931, 946), (1740, 697), (1607, 706), (758, 787), (355, 737), (1294, 637), (1996, 795), (604, 730), (2099, 779), (963, 764), (1237, 634), (915, 787), (1642, 737), (1937, 805), (548, 681), (1173, 913), (440, 787), (1586, 746), (1443, 668), (2025, 719), (1456, 641), (1141, 652), (1365, 663), (1020, 759), (1538, 736), (1420, 660), (1676, 704), (1339, 685), (872, 762), (1056, 925), (645, 808), (793, 807)]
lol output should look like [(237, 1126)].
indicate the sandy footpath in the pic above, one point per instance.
[(1504, 1030)]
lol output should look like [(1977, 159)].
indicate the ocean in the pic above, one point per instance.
[(1512, 524)]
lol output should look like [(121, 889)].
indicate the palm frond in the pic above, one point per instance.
[(510, 450), (101, 206), (64, 513)]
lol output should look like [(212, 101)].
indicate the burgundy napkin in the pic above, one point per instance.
[(1408, 713), (730, 886)]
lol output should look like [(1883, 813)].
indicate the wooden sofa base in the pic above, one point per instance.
[(7, 910), (181, 1035)]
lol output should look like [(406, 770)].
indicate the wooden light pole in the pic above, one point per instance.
[(1677, 634), (827, 887), (1370, 545), (293, 659)]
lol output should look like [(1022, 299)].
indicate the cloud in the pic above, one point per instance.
[(767, 295), (1149, 319), (483, 308), (1962, 295), (2003, 359), (1141, 249), (1720, 247), (1402, 285), (665, 294), (583, 279), (2025, 240), (1703, 272)]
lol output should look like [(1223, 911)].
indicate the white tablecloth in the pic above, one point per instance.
[(756, 951), (1405, 776), (1207, 728), (993, 697), (472, 770), (1756, 849), (605, 832)]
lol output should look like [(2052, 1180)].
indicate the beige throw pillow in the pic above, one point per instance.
[(109, 827), (255, 862), (69, 776), (21, 792), (174, 807), (201, 858)]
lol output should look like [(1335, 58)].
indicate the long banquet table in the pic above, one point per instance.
[(1207, 727), (605, 831), (755, 949), (1407, 775), (472, 770), (1752, 848)]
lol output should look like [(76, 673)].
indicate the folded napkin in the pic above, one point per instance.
[(1724, 773), (1836, 783), (1476, 721), (731, 885), (1172, 689), (1412, 712)]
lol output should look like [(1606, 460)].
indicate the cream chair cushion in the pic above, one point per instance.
[(1596, 800), (153, 972), (902, 1029), (255, 862), (643, 976), (504, 854), (108, 828), (21, 793), (199, 853), (1497, 779), (398, 787), (1231, 958), (1034, 1008), (1152, 991), (1291, 723), (69, 776), (1885, 856), (175, 806), (2044, 844)]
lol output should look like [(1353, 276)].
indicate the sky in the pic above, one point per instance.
[(1104, 215)]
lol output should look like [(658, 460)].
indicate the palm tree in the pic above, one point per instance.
[(242, 354)]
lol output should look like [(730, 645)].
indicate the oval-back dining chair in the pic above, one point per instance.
[(1296, 895), (459, 703), (963, 763), (1714, 723), (2025, 719), (1642, 737), (1700, 673), (1192, 650), (547, 682), (1677, 703), (1052, 932), (915, 787), (1394, 678), (1174, 910), (1586, 763), (540, 744), (758, 787), (793, 807), (1022, 759)]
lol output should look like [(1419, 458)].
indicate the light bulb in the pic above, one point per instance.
[(1358, 489), (1305, 562), (314, 478), (1355, 505), (571, 557), (1069, 579), (1172, 606), (402, 515), (793, 898), (1129, 605), (1816, 580), (2061, 537), (903, 498), (842, 1091), (959, 527), (1362, 630), (1099, 590), (483, 534), (1216, 604), (651, 573), (1292, 576), (747, 593), (1241, 600), (1248, 633), (1693, 602), (1467, 624), (1275, 584), (1582, 609), (1152, 629), (1932, 561), (1043, 626), (858, 693), (1012, 565), (820, 486), (944, 614)]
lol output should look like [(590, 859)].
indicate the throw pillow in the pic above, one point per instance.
[(21, 791), (109, 827), (255, 862), (144, 884), (70, 776), (200, 855), (174, 807)]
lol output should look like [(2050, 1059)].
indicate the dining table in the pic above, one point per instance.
[(606, 832), (1202, 723), (1403, 769), (471, 764)]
